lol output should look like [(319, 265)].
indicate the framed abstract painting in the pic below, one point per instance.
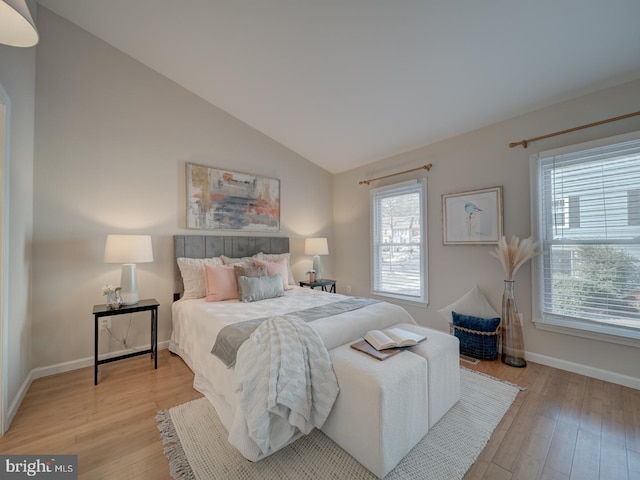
[(473, 217), (219, 199)]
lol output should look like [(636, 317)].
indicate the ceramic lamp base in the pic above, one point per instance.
[(317, 266), (129, 284)]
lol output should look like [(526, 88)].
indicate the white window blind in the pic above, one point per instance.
[(587, 211), (399, 241)]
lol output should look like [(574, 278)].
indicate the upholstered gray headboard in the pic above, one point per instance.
[(207, 246)]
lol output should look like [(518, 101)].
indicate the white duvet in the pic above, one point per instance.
[(196, 324)]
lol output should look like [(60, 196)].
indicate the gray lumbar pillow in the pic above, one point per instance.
[(253, 289)]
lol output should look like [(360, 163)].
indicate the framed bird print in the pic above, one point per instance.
[(472, 217)]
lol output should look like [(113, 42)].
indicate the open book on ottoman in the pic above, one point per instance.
[(382, 344), (392, 338)]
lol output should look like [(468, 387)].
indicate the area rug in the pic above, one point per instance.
[(196, 442)]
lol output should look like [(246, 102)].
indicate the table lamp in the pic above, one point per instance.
[(128, 250), (316, 247)]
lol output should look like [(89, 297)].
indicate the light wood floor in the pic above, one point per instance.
[(564, 426)]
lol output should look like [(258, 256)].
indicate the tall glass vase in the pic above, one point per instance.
[(512, 339)]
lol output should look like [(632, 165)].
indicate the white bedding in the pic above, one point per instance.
[(196, 324)]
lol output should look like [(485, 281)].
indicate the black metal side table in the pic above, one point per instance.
[(148, 305), (324, 283)]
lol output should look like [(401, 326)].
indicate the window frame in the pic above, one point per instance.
[(423, 299), (582, 328)]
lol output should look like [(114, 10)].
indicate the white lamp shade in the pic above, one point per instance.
[(316, 246), (17, 28), (128, 249)]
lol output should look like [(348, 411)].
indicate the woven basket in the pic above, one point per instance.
[(477, 344)]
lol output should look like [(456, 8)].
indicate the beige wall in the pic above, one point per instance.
[(17, 77), (477, 160), (112, 139)]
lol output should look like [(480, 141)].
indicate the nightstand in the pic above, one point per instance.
[(323, 282), (148, 305)]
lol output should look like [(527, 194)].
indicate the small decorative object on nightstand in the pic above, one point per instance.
[(114, 300), (324, 283), (312, 276), (149, 305)]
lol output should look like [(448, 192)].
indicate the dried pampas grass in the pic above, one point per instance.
[(514, 254)]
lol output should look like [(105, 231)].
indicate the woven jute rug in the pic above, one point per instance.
[(197, 448)]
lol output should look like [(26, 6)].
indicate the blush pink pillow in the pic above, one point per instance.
[(221, 282), (277, 266)]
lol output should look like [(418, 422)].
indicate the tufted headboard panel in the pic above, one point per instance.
[(207, 246)]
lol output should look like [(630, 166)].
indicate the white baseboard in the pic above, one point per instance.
[(61, 368), (17, 400), (88, 361), (593, 372)]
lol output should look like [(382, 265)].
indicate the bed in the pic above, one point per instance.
[(197, 326)]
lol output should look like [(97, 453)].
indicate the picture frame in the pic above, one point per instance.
[(473, 217), (220, 199)]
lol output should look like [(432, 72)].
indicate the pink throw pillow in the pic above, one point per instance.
[(278, 266), (221, 282)]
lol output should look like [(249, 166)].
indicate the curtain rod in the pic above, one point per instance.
[(423, 167), (524, 143)]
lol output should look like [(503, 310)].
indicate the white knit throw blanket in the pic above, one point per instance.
[(285, 381)]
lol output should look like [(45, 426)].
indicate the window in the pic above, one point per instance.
[(399, 252), (585, 211)]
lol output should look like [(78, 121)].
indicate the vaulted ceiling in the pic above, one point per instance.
[(348, 82)]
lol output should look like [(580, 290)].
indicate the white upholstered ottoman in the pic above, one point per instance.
[(381, 411), (384, 408), (442, 352)]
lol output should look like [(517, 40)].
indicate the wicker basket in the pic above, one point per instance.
[(477, 344)]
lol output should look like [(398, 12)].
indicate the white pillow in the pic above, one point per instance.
[(471, 303), (193, 279)]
